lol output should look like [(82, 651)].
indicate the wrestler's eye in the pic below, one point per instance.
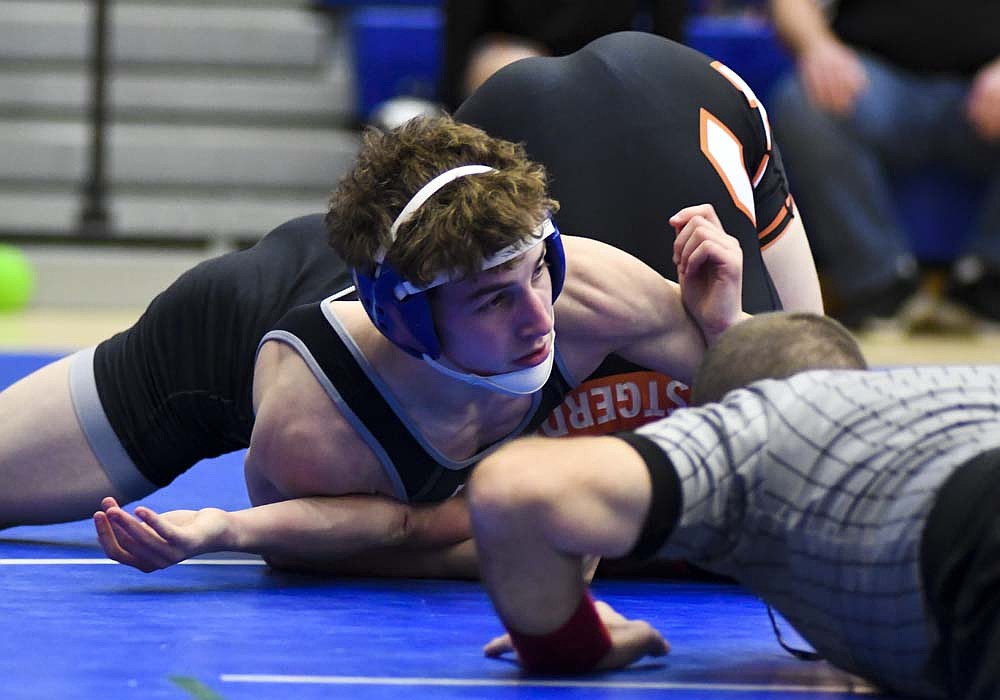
[(540, 268), (497, 301)]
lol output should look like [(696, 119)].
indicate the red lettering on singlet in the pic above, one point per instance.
[(619, 402)]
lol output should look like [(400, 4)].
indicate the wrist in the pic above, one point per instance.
[(712, 331), (577, 646), (230, 536)]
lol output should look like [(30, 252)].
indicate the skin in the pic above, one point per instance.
[(533, 528), (321, 500), (834, 77)]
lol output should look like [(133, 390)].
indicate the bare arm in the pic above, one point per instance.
[(533, 528), (800, 24), (359, 534), (615, 303), (831, 72), (790, 264), (321, 498)]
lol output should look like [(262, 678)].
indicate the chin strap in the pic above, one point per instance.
[(520, 382)]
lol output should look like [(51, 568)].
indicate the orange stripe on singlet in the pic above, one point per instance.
[(783, 215)]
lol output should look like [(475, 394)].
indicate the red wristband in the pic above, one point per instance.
[(576, 647)]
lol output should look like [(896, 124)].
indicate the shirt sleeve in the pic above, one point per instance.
[(714, 450)]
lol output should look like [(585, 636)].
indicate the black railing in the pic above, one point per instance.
[(95, 220)]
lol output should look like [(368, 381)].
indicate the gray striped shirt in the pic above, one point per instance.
[(813, 493)]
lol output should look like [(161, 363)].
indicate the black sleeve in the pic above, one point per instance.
[(665, 502)]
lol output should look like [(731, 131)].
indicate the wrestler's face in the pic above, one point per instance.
[(500, 320)]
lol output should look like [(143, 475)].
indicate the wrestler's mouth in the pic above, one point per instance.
[(536, 356)]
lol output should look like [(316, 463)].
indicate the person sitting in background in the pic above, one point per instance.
[(877, 92)]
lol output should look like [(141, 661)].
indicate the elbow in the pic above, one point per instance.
[(403, 527), (509, 495)]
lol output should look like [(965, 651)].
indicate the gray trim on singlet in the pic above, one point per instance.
[(107, 447), (400, 412), (296, 344)]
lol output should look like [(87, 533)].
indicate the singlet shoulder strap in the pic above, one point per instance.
[(421, 477), (417, 472)]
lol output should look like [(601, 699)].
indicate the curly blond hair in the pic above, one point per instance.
[(464, 223)]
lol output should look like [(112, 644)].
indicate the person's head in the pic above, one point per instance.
[(442, 225), (773, 346)]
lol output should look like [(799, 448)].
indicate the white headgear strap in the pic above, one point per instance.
[(425, 193), (530, 242), (519, 382)]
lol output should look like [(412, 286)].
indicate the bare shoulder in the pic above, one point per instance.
[(302, 442)]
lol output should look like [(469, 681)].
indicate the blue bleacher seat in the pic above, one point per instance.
[(397, 51)]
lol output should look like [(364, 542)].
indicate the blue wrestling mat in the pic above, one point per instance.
[(75, 625)]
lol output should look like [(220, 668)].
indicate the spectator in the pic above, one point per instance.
[(878, 92)]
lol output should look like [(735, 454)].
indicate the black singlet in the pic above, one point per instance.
[(420, 473), (176, 386), (630, 129)]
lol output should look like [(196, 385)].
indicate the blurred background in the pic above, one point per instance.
[(138, 137)]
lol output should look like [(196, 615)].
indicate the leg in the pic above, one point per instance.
[(48, 469), (975, 279), (960, 555)]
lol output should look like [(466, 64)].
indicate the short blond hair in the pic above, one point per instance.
[(773, 345), (460, 226)]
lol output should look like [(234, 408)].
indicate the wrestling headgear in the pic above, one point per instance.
[(402, 310)]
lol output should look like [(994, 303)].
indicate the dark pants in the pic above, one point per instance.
[(961, 572)]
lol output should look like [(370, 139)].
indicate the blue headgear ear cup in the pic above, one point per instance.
[(407, 322), (555, 257)]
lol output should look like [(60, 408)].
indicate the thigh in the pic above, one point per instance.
[(49, 472)]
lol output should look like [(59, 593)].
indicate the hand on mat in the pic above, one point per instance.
[(710, 269), (150, 541), (631, 640)]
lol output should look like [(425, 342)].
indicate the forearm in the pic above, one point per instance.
[(790, 264), (319, 530), (800, 24)]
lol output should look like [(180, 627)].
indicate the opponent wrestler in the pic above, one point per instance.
[(631, 129), (361, 411), (860, 504)]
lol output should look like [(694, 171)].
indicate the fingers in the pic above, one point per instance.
[(106, 538), (983, 107), (498, 646), (705, 211), (701, 225), (714, 254), (833, 76), (608, 615), (631, 641), (131, 541)]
